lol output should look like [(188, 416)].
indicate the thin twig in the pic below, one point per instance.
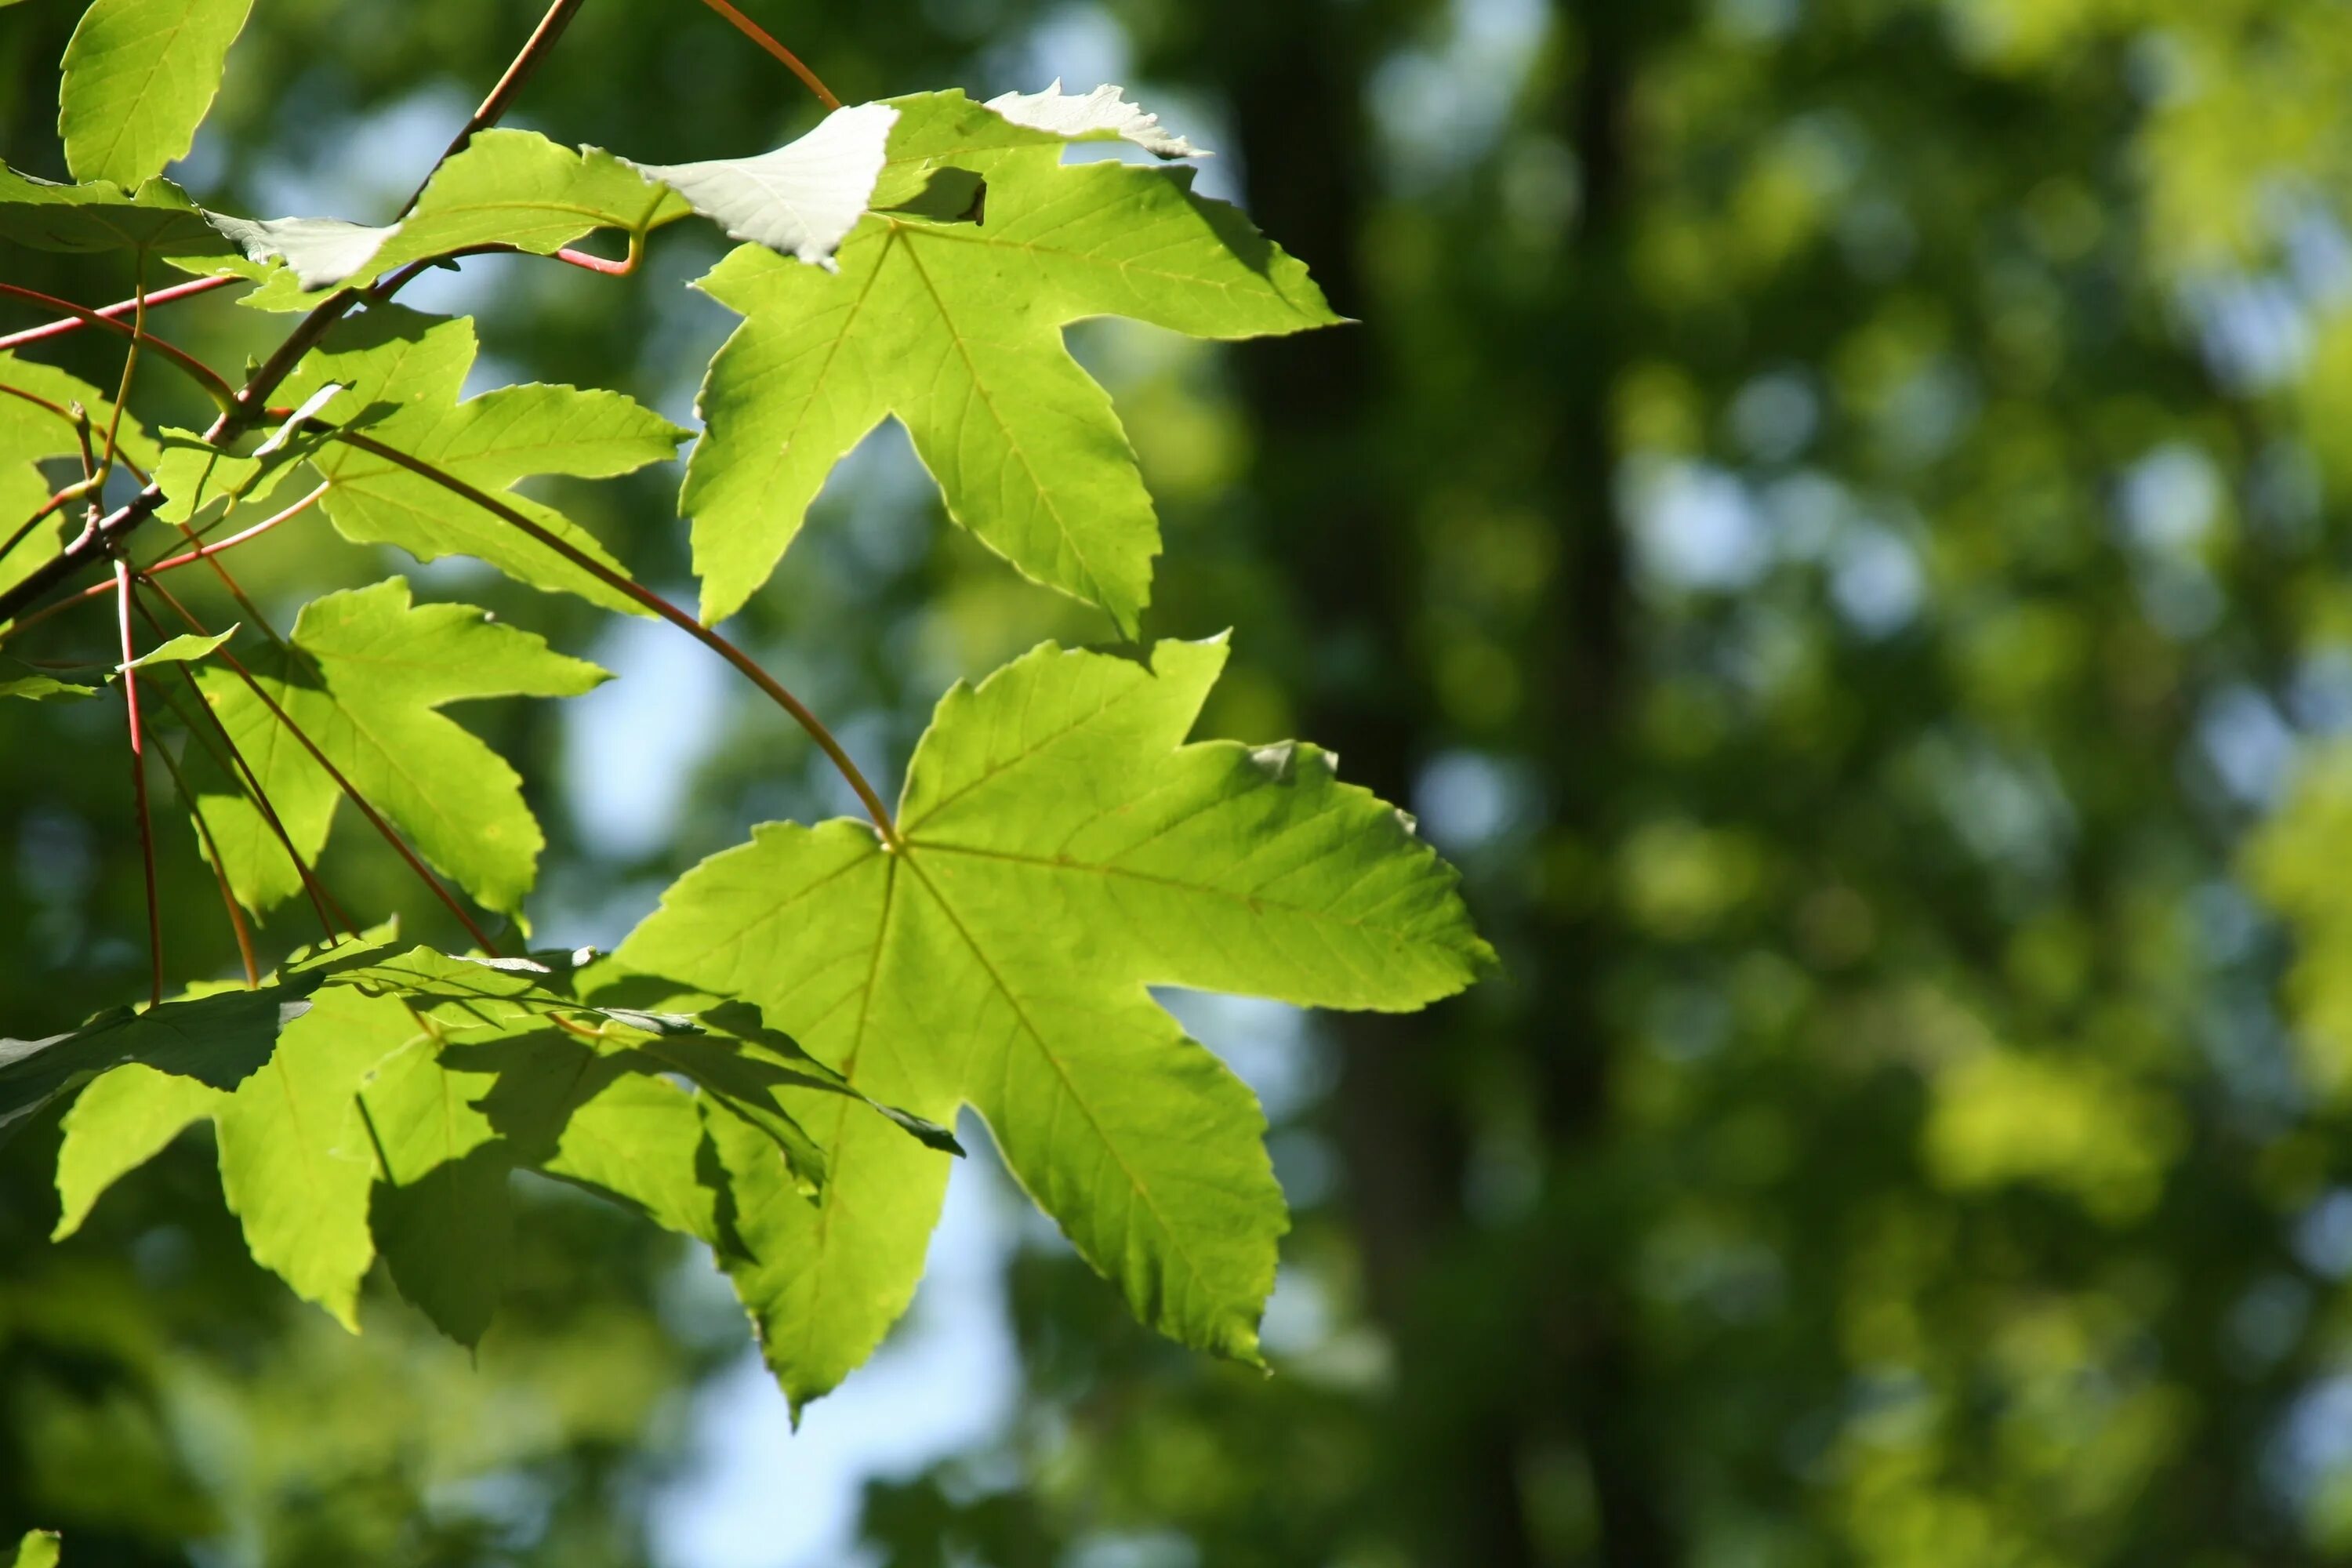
[(225, 756), (502, 96), (218, 390), (254, 396), (620, 582), (375, 818), (758, 35), (74, 323), (220, 877), (130, 369), (70, 493), (138, 783)]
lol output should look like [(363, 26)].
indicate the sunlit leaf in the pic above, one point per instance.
[(1062, 851), (363, 679), (955, 328), (139, 77)]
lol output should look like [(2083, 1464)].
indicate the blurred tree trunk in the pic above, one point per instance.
[(1346, 527)]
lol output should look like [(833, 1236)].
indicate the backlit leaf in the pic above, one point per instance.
[(409, 369), (1063, 849), (363, 677), (139, 77), (955, 327)]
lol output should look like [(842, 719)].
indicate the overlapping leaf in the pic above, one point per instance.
[(393, 1112), (947, 312), (363, 679), (402, 372), (156, 217), (139, 77), (217, 1041), (1062, 851)]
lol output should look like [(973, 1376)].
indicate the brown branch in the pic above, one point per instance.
[(250, 400), (218, 390), (758, 35), (240, 773), (220, 877), (619, 582), (74, 323)]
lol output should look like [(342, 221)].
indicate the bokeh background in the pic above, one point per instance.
[(1836, 516)]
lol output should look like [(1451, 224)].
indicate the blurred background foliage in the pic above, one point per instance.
[(1836, 516)]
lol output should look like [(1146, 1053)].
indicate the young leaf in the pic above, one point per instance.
[(138, 76), (409, 368), (955, 328), (799, 200), (1062, 849), (38, 1549), (363, 677), (187, 648), (321, 252), (21, 679), (295, 1160)]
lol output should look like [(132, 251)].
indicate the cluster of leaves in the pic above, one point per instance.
[(770, 1062)]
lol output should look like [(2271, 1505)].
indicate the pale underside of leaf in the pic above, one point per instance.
[(1101, 114), (800, 200)]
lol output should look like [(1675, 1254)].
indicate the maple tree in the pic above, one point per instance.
[(771, 1061)]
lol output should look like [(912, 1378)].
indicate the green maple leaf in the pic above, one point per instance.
[(507, 187), (955, 327), (401, 373), (216, 1040), (156, 217), (1062, 849), (363, 677), (139, 77)]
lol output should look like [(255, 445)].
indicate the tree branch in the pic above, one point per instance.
[(619, 582)]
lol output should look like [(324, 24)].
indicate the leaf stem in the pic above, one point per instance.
[(758, 35), (240, 773), (130, 370), (249, 401), (493, 108), (72, 492), (138, 783), (375, 818), (218, 390), (620, 582), (220, 878), (106, 313)]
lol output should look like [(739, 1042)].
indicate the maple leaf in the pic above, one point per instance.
[(138, 76), (954, 327), (393, 1111), (362, 676), (401, 374), (1062, 849)]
